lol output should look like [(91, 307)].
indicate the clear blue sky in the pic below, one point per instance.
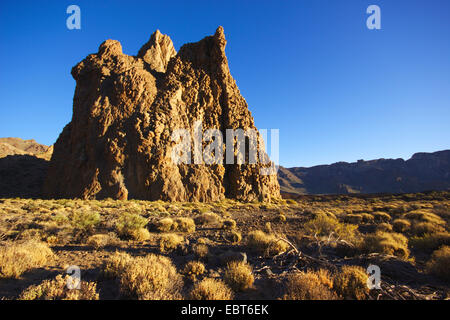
[(336, 90)]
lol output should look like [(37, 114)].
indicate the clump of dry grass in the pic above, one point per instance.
[(170, 242), (84, 221), (430, 242), (266, 244), (165, 225), (207, 218), (351, 282), (384, 227), (380, 216), (309, 286), (185, 225), (401, 225), (228, 224), (152, 277), (422, 228), (238, 275), (200, 250), (115, 265), (211, 289), (56, 289), (439, 263), (424, 216), (386, 242), (323, 225), (132, 226), (193, 269), (233, 236), (17, 258)]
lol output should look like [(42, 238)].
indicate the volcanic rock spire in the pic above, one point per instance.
[(125, 109)]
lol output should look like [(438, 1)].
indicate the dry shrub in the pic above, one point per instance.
[(17, 258), (430, 242), (228, 224), (388, 243), (367, 218), (132, 226), (165, 225), (83, 221), (185, 225), (238, 275), (200, 250), (211, 289), (309, 286), (102, 240), (323, 225), (422, 228), (233, 236), (425, 216), (115, 265), (353, 218), (439, 263), (384, 227), (266, 244), (380, 216), (192, 269), (56, 289), (351, 282), (401, 225), (207, 218), (170, 242), (152, 277)]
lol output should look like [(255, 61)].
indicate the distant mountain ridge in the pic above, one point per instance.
[(17, 146), (423, 172)]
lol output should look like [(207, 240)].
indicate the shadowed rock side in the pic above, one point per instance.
[(423, 172), (125, 109)]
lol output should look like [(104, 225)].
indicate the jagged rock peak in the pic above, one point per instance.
[(119, 142), (158, 51)]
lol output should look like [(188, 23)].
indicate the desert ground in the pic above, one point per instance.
[(311, 247)]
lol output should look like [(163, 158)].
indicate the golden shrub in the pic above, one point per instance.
[(386, 242), (309, 286), (200, 250), (56, 289), (422, 228), (380, 216), (115, 265), (351, 282), (185, 225), (401, 225), (17, 258), (384, 227), (165, 225), (152, 277), (266, 244), (192, 269), (439, 263), (170, 242), (207, 218), (430, 242), (211, 289), (233, 236), (238, 275)]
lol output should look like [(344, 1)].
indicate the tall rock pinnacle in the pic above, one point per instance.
[(125, 109)]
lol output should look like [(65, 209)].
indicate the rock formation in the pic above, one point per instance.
[(125, 109)]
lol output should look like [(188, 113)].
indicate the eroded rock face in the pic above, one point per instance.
[(125, 110)]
